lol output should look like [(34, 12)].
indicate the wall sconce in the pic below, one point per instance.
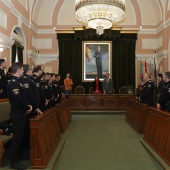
[(1, 49)]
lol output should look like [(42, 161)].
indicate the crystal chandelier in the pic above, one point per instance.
[(100, 14)]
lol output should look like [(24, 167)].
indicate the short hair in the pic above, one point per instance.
[(15, 67), (37, 68), (57, 75), (26, 68), (160, 75), (167, 74), (1, 61), (148, 75)]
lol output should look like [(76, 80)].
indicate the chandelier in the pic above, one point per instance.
[(100, 14)]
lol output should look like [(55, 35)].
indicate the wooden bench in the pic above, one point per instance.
[(136, 115), (4, 118), (44, 138), (157, 132)]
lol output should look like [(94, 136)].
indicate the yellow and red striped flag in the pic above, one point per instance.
[(88, 52)]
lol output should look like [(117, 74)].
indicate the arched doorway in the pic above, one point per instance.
[(18, 48)]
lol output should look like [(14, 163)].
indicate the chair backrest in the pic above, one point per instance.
[(62, 89), (113, 91), (91, 90), (79, 90), (123, 90)]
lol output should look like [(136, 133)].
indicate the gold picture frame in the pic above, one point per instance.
[(96, 59)]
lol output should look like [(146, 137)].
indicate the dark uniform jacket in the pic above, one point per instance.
[(37, 82), (31, 91), (3, 84), (164, 99), (146, 94), (17, 96), (161, 84)]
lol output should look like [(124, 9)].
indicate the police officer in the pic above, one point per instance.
[(36, 78), (3, 80), (164, 99), (19, 108), (47, 90), (147, 91), (33, 98)]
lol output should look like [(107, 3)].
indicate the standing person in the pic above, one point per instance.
[(3, 80), (68, 84), (97, 85), (33, 98), (146, 94), (107, 85), (161, 83), (164, 99), (98, 58), (19, 108), (36, 78)]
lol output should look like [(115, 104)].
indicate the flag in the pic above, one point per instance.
[(88, 52), (155, 76), (145, 67), (141, 70)]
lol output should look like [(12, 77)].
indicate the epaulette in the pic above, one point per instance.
[(13, 80)]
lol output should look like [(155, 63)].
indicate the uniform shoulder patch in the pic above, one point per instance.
[(13, 80), (16, 91), (26, 85), (149, 85)]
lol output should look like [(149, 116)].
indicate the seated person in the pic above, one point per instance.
[(97, 86)]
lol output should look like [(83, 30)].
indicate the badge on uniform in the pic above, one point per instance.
[(16, 91), (26, 85), (38, 84), (149, 85), (169, 90), (0, 77)]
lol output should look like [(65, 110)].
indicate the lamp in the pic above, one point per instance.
[(100, 14), (1, 49)]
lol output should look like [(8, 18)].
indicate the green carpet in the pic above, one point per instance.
[(103, 142)]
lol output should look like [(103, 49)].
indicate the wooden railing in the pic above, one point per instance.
[(63, 115), (100, 101), (157, 132), (44, 138), (136, 115)]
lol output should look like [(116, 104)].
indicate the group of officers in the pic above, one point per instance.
[(30, 92), (152, 94)]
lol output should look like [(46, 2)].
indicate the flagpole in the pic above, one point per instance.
[(155, 82)]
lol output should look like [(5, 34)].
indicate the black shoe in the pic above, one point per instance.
[(17, 165)]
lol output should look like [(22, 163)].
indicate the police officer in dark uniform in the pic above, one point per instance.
[(19, 108), (55, 87), (36, 78), (47, 90), (57, 76), (33, 97), (3, 80), (164, 99), (147, 91)]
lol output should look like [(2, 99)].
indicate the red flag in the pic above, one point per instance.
[(88, 52), (145, 67)]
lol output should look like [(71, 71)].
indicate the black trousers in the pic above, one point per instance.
[(18, 121)]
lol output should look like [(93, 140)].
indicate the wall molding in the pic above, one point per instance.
[(41, 58), (5, 41)]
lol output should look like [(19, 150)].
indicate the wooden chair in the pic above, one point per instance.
[(113, 91), (91, 90), (79, 90), (123, 90), (62, 89)]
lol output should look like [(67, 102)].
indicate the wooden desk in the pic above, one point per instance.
[(157, 132), (63, 114), (44, 138), (99, 101), (136, 115)]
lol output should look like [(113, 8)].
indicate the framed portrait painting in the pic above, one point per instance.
[(96, 59)]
